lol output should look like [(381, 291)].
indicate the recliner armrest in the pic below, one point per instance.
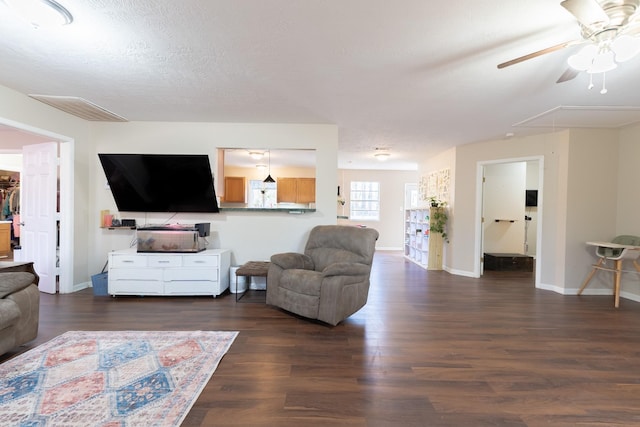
[(290, 260), (346, 269), (12, 282)]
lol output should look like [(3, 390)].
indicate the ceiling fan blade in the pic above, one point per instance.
[(569, 74), (537, 53), (587, 12)]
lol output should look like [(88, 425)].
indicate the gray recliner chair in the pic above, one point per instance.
[(330, 280), (19, 309)]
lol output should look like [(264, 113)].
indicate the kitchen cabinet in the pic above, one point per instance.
[(296, 190), (306, 192), (234, 189)]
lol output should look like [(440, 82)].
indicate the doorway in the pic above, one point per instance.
[(9, 206), (509, 223), (14, 137)]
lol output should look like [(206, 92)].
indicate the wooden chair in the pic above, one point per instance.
[(620, 248)]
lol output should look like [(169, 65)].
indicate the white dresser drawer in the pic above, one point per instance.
[(137, 287), (191, 288), (200, 261), (165, 261), (126, 261), (134, 274), (210, 274)]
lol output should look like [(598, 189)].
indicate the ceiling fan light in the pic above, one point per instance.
[(603, 62), (625, 47), (584, 58)]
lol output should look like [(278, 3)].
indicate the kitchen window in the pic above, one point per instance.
[(365, 201)]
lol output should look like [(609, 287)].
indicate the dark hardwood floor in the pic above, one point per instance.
[(429, 349)]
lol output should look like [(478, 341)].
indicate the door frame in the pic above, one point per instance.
[(66, 215), (477, 264)]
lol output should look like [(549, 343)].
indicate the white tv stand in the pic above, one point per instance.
[(157, 273)]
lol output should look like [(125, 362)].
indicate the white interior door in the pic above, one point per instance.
[(38, 234)]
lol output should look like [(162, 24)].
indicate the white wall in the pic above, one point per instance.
[(392, 186), (250, 235), (21, 111), (10, 162)]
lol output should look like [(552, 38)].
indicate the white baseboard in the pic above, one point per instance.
[(80, 286)]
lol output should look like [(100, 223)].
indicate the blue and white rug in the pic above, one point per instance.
[(109, 379)]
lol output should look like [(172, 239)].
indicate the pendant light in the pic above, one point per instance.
[(268, 178)]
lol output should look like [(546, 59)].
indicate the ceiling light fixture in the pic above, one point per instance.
[(381, 155), (256, 155), (598, 58), (268, 178), (41, 13)]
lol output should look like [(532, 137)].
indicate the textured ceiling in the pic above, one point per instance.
[(413, 76)]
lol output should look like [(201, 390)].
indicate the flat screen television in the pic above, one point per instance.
[(531, 198), (160, 182)]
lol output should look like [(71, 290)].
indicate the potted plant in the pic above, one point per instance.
[(439, 217), (434, 202)]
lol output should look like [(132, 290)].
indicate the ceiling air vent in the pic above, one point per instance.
[(80, 107)]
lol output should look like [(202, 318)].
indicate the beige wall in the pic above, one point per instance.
[(250, 235), (392, 183), (591, 201), (587, 194), (462, 254), (628, 203)]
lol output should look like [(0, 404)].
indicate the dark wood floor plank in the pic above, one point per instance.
[(428, 349)]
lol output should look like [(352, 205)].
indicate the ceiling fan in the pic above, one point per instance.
[(608, 30)]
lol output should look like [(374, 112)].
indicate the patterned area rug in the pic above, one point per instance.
[(110, 379)]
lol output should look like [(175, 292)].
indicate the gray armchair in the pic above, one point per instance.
[(330, 281), (19, 309)]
